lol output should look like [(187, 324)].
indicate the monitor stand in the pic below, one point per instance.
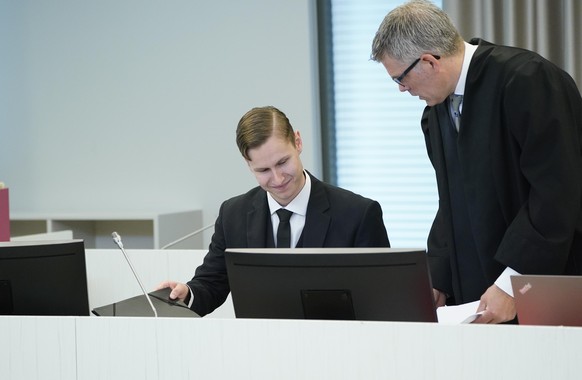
[(328, 304)]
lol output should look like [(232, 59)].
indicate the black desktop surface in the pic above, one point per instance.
[(139, 306)]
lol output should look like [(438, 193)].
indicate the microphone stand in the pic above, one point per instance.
[(187, 236), (117, 240)]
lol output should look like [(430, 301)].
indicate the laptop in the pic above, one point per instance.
[(548, 300)]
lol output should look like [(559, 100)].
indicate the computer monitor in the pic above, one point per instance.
[(376, 284), (43, 278)]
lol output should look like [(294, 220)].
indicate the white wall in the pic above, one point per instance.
[(132, 105)]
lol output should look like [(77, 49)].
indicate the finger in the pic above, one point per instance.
[(162, 285), (439, 298), (485, 318), (177, 292), (482, 305)]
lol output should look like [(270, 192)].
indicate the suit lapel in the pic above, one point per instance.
[(257, 222), (317, 220)]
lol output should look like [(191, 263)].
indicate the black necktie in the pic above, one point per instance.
[(284, 230)]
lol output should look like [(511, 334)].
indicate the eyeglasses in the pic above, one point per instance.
[(399, 79)]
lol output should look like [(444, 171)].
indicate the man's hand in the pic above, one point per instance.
[(497, 306), (179, 291), (440, 298)]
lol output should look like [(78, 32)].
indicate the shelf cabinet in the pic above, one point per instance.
[(137, 230)]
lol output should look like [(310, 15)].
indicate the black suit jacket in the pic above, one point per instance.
[(519, 148), (335, 218)]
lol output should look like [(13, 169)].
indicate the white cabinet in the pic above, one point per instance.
[(147, 230)]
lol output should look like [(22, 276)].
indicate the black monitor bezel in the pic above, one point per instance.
[(44, 277), (384, 284)]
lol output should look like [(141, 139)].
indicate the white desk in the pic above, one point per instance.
[(218, 347), (167, 348)]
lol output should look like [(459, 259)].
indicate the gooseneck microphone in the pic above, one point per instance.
[(187, 236), (117, 240)]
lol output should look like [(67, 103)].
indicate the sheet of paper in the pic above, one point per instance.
[(454, 315)]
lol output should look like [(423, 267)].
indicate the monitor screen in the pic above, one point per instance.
[(376, 284), (43, 278)]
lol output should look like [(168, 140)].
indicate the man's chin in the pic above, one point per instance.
[(282, 199), (424, 100), (431, 103)]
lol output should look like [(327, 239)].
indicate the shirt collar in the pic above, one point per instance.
[(469, 51), (299, 204)]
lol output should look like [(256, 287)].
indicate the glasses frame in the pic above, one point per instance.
[(399, 78)]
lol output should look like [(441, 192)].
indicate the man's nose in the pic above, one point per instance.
[(278, 176)]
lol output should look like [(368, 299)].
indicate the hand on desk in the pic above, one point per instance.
[(497, 306), (440, 298), (179, 291)]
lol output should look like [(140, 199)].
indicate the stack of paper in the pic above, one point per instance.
[(465, 313)]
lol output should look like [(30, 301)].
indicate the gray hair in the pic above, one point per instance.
[(415, 28)]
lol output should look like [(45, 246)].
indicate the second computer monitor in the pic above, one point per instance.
[(380, 284)]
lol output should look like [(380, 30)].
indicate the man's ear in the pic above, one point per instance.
[(298, 142), (434, 62)]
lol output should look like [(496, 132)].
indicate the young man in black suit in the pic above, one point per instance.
[(503, 130), (322, 215)]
